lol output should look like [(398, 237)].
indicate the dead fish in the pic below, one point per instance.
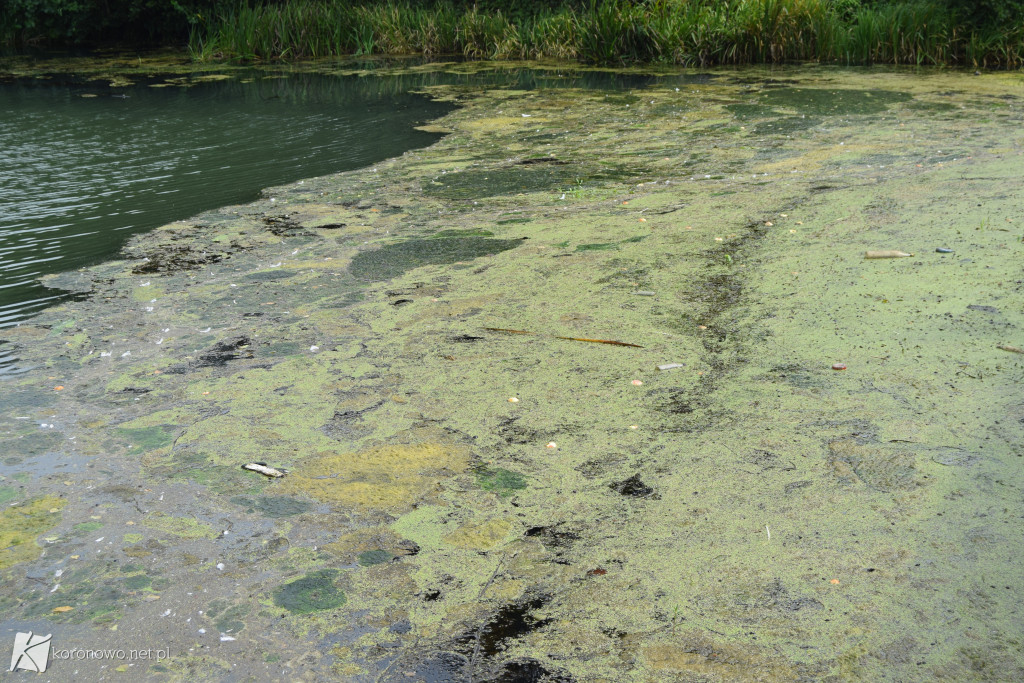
[(888, 253), (263, 469), (1011, 349)]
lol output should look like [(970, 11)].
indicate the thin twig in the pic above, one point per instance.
[(480, 630)]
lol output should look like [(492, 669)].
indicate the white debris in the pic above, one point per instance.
[(263, 469)]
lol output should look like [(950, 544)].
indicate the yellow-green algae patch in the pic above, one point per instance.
[(21, 524), (184, 527), (389, 478)]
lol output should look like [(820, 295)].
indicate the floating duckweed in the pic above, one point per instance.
[(313, 592)]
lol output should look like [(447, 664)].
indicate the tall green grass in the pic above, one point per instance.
[(687, 32)]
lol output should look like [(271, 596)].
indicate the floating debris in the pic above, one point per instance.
[(670, 366), (507, 331), (601, 341), (888, 253), (579, 339), (262, 468), (838, 366), (632, 487), (1011, 349), (637, 383)]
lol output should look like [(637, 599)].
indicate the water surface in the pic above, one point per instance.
[(83, 166)]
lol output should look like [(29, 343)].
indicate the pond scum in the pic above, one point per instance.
[(685, 32), (476, 491)]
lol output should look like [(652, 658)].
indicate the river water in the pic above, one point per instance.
[(85, 165)]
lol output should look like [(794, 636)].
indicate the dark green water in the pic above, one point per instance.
[(82, 166)]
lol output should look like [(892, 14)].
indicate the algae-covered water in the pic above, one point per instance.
[(598, 387)]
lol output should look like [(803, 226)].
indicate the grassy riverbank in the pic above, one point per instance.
[(976, 34), (616, 31)]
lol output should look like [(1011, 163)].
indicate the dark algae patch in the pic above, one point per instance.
[(273, 506), (369, 558), (392, 260), (501, 481), (511, 459), (313, 592), (832, 101)]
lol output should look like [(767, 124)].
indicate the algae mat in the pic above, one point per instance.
[(822, 483)]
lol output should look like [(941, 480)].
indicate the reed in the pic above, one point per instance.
[(688, 32)]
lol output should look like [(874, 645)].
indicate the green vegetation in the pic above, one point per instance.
[(695, 32), (984, 33)]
